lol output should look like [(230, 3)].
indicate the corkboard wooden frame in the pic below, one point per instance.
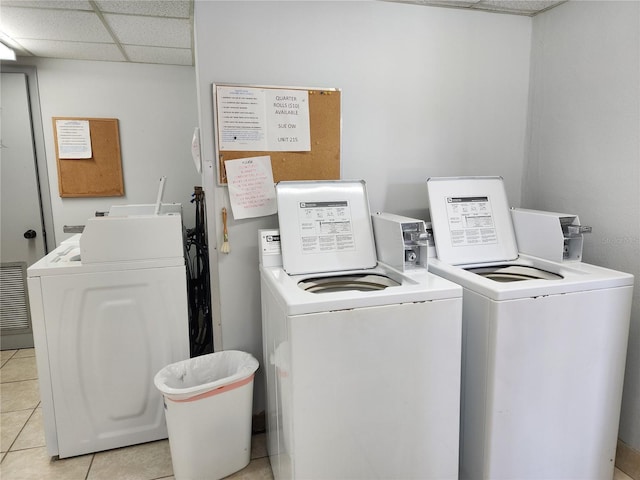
[(100, 175), (321, 163)]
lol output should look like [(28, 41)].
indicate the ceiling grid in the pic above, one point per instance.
[(147, 31)]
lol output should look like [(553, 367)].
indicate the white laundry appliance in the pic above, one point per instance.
[(362, 360), (109, 311), (544, 344)]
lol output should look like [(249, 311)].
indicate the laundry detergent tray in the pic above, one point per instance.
[(325, 228), (473, 229)]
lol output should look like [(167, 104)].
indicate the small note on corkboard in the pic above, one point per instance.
[(99, 175)]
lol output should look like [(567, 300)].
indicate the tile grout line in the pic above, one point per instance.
[(21, 430), (18, 381), (13, 355), (93, 457)]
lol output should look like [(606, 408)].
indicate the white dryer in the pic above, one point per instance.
[(362, 361), (109, 311), (544, 344)]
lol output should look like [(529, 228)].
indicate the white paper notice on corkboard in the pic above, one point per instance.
[(74, 139)]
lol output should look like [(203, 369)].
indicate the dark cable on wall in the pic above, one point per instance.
[(198, 281)]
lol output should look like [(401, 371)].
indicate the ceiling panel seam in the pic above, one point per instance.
[(116, 40)]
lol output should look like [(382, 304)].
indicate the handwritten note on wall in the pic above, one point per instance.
[(251, 188), (259, 119)]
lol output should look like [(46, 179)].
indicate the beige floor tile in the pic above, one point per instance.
[(32, 435), (11, 424), (140, 462), (258, 469), (620, 475), (19, 395), (5, 355), (36, 464), (25, 352), (18, 369), (259, 446)]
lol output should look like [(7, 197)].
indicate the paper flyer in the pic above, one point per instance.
[(251, 189)]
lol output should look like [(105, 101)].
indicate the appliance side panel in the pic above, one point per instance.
[(267, 365), (476, 312), (109, 334), (364, 378), (39, 323), (276, 376), (175, 318), (556, 385)]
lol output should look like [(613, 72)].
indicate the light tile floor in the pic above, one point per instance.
[(23, 451), (24, 455)]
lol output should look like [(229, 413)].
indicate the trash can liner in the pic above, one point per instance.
[(202, 376), (216, 391)]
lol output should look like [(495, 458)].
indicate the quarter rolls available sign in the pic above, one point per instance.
[(263, 119)]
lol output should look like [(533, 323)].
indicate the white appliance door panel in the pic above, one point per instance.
[(374, 392), (555, 385), (109, 334)]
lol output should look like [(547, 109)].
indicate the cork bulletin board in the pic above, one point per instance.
[(97, 176), (322, 162)]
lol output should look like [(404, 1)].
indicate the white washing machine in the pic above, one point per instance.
[(109, 311), (544, 344), (362, 361)]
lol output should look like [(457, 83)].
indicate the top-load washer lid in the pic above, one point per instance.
[(325, 226), (471, 220)]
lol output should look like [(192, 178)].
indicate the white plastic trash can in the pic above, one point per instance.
[(208, 403)]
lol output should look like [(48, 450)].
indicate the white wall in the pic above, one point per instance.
[(584, 152), (156, 106), (425, 92)]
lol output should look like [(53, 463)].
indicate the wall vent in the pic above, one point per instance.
[(15, 317)]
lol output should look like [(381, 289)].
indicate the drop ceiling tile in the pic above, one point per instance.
[(517, 5), (59, 4), (166, 56), (154, 8), (453, 3), (69, 25), (526, 7), (74, 50), (440, 3), (150, 31)]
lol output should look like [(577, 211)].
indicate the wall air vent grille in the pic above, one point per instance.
[(14, 305)]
